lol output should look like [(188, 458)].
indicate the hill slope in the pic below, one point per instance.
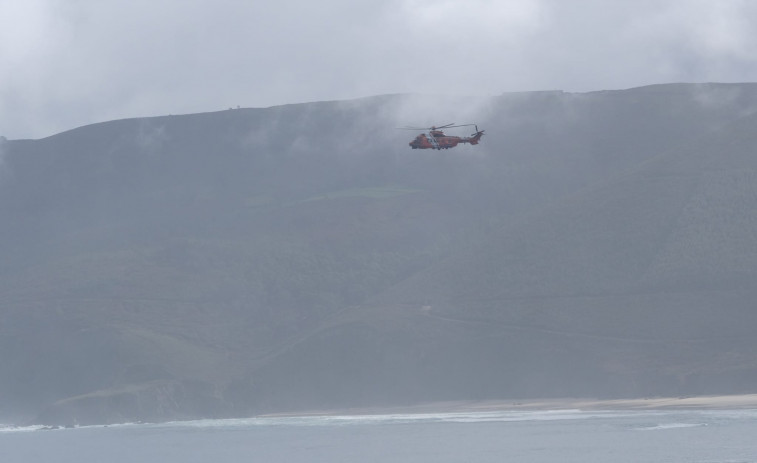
[(302, 256), (640, 285)]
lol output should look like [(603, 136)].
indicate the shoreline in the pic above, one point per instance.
[(705, 402)]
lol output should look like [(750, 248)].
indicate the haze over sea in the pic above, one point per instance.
[(700, 436)]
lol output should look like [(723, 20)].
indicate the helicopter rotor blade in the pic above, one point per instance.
[(436, 127), (477, 132), (461, 125)]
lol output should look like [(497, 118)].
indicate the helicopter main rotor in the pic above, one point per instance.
[(436, 127)]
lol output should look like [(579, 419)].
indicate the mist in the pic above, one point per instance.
[(71, 64)]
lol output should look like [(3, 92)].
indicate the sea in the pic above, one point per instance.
[(566, 436)]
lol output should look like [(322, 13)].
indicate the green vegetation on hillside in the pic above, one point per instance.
[(218, 264)]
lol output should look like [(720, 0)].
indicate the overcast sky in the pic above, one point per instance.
[(67, 63)]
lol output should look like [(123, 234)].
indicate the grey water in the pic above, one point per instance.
[(698, 436)]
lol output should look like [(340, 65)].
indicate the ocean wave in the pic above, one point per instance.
[(11, 428), (688, 419), (677, 419), (396, 418), (662, 426)]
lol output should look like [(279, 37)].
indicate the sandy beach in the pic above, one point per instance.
[(712, 402)]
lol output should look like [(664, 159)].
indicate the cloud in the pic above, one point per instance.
[(698, 40), (75, 62), (450, 23), (31, 36)]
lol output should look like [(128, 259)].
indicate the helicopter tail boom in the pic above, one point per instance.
[(473, 139)]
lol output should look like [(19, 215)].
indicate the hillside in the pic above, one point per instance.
[(251, 260)]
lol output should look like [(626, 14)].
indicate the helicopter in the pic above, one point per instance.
[(436, 139)]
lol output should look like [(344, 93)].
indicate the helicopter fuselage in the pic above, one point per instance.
[(437, 140)]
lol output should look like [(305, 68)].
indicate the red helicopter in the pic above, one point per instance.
[(436, 139)]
